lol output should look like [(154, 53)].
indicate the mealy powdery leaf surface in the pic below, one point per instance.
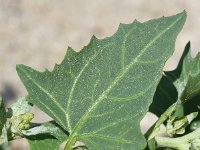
[(100, 94), (20, 107)]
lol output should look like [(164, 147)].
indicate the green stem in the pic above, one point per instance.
[(69, 144), (181, 143), (171, 143), (155, 128)]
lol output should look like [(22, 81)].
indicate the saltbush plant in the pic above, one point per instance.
[(97, 97)]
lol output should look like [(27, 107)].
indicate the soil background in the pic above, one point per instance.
[(37, 33)]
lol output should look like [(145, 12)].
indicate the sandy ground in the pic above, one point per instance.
[(37, 33)]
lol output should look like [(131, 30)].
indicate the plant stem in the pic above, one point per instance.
[(155, 128), (171, 143), (69, 144), (181, 143)]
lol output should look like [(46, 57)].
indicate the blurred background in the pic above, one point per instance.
[(37, 33)]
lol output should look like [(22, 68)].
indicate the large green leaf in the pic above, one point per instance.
[(100, 94), (2, 115), (50, 140)]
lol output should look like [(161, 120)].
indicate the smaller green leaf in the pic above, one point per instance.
[(167, 93), (20, 116), (2, 115), (187, 81), (41, 129), (47, 141), (21, 106), (177, 126)]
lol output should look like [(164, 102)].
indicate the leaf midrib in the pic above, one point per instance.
[(117, 79), (107, 138)]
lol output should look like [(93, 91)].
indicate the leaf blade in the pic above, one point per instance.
[(98, 94)]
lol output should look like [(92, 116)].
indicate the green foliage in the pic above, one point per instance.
[(97, 97), (177, 126), (187, 81), (166, 92), (19, 108), (96, 94), (20, 116), (179, 86)]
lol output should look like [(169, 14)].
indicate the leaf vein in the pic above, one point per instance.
[(76, 81), (44, 90), (117, 79), (124, 45)]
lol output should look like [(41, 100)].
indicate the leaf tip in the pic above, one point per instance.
[(187, 49), (181, 17), (19, 67), (183, 14), (23, 70)]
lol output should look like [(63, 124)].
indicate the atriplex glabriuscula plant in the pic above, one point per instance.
[(98, 96)]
